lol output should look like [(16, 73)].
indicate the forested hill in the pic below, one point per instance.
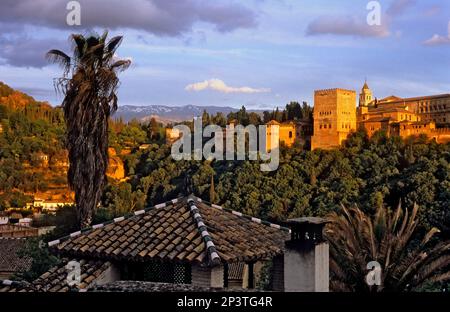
[(18, 101), (32, 156), (365, 172)]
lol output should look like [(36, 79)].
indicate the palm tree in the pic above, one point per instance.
[(89, 100), (388, 238)]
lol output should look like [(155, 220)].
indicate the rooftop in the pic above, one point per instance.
[(185, 230), (55, 280), (9, 258), (392, 98)]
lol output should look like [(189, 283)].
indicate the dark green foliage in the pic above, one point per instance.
[(408, 260), (24, 138), (43, 260), (365, 172), (293, 111)]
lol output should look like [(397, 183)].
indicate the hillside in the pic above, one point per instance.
[(33, 160)]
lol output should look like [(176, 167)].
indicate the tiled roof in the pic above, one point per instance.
[(9, 259), (55, 280), (377, 119), (178, 231)]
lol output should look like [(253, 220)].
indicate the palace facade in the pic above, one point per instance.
[(336, 116)]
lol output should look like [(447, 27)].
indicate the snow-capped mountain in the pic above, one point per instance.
[(167, 113)]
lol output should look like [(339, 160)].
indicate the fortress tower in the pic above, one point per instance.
[(334, 117)]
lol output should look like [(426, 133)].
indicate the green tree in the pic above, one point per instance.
[(42, 259)]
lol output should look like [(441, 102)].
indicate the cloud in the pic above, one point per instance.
[(398, 7), (220, 86), (23, 51), (159, 17), (345, 25), (438, 39), (349, 25)]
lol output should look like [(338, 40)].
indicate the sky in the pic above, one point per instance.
[(257, 53)]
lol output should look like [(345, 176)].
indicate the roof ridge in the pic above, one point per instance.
[(115, 220), (245, 216), (210, 246)]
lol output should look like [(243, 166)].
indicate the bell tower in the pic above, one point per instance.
[(365, 97)]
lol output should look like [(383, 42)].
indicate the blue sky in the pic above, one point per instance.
[(257, 53)]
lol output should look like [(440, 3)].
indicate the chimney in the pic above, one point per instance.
[(306, 257)]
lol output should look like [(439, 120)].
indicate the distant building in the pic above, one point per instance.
[(26, 222), (144, 147), (428, 115), (17, 231), (48, 205), (172, 135), (336, 116), (43, 158), (289, 133)]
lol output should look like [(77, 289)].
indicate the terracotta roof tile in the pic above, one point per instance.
[(9, 258), (55, 280), (190, 230)]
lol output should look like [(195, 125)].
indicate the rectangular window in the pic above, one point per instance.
[(157, 272)]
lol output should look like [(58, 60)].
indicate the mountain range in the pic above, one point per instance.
[(169, 114)]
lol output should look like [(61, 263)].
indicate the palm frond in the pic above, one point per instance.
[(121, 65), (113, 44), (356, 238), (60, 58), (78, 45)]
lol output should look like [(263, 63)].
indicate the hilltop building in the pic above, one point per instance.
[(290, 133), (336, 115), (48, 205)]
